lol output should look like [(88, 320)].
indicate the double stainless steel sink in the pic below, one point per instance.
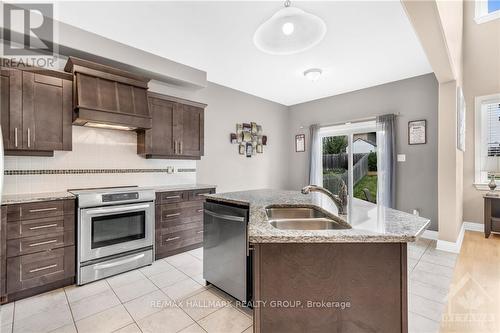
[(302, 218)]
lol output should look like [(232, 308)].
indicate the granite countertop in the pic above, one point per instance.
[(369, 223), (184, 187), (11, 199)]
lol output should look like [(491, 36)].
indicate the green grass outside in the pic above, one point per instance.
[(369, 182)]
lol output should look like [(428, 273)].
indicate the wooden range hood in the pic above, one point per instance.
[(107, 97)]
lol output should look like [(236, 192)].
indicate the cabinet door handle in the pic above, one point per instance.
[(175, 147), (180, 146), (44, 226), (172, 215), (15, 137), (43, 243), (42, 210), (42, 268), (200, 210), (200, 232), (171, 239), (29, 137)]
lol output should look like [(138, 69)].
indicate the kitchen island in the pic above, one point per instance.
[(350, 278)]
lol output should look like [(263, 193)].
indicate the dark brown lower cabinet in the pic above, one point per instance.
[(38, 253), (39, 269), (179, 221), (351, 287), (3, 255)]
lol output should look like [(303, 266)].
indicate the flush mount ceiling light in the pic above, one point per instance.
[(290, 30), (313, 74)]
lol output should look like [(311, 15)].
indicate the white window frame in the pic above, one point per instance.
[(480, 181), (482, 15)]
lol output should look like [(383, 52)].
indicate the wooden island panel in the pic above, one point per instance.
[(372, 277)]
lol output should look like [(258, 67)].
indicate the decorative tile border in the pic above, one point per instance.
[(89, 171)]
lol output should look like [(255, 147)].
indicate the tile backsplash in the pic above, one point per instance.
[(100, 157)]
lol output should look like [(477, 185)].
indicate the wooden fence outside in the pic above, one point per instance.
[(339, 161), (332, 182)]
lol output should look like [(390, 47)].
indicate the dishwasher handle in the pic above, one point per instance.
[(225, 217)]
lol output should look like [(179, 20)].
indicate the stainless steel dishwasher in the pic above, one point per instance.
[(226, 259)]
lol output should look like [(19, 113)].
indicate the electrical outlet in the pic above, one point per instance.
[(170, 169), (401, 158)]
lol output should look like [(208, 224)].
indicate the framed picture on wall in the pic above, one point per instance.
[(417, 132), (300, 143)]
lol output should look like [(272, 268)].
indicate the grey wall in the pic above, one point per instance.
[(415, 98)]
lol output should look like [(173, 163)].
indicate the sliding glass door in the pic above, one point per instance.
[(349, 158), (335, 162)]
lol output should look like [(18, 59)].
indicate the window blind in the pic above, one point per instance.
[(493, 128)]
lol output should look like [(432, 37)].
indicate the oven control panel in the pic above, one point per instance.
[(120, 196)]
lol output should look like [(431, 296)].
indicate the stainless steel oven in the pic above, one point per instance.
[(115, 231)]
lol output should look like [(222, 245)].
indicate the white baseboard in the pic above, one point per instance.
[(452, 246), (472, 226), (430, 234)]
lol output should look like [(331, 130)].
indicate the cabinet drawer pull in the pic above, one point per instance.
[(172, 215), (171, 239), (173, 197), (202, 194), (44, 226), (42, 268), (42, 210), (200, 210), (200, 232), (44, 243)]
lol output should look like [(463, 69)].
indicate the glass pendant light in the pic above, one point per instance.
[(290, 30)]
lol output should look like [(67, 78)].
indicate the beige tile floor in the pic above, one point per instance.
[(170, 296)]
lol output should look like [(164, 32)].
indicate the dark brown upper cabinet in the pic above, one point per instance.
[(36, 111), (11, 103), (178, 129), (108, 97)]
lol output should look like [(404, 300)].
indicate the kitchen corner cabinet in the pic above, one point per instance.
[(177, 131), (36, 111)]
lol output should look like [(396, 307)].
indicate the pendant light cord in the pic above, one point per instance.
[(287, 3)]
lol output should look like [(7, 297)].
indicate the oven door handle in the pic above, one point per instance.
[(118, 263), (116, 210)]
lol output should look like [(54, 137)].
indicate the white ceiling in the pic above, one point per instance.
[(367, 43)]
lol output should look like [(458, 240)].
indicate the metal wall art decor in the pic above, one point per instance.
[(249, 139)]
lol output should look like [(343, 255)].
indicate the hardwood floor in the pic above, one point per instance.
[(474, 297)]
